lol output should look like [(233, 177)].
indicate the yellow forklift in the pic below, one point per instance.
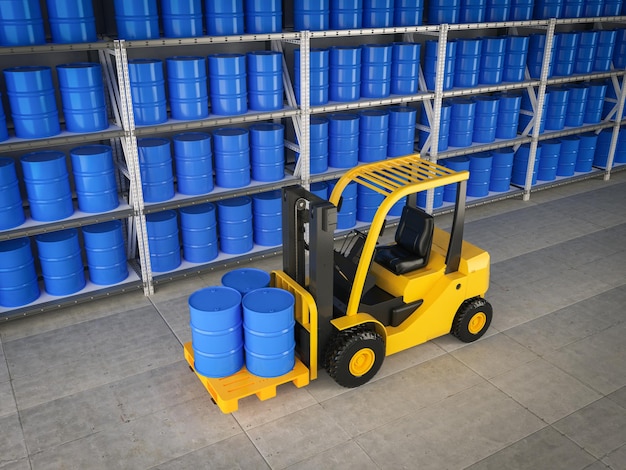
[(362, 302)]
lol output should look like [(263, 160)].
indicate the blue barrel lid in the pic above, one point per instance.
[(152, 142), (14, 244), (160, 216), (95, 149), (103, 227), (42, 156), (268, 300), (198, 208), (235, 201), (246, 280), (215, 299), (268, 195), (58, 236), (230, 131), (266, 127), (192, 136)]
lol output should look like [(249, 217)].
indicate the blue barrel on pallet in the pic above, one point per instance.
[(534, 60), (71, 22), (320, 189), (492, 60), (576, 103), (311, 15), (401, 136), (497, 10), (549, 161), (224, 18), (462, 115), (4, 133), (318, 75), (564, 56), (443, 11), (21, 23), (586, 52), (11, 212), (343, 140), (193, 158), (367, 203), (592, 8), (246, 280), (485, 119), (557, 108), (567, 158), (268, 325), (619, 51), (18, 278), (430, 64), (444, 127), (612, 8), (467, 62), (187, 85), (198, 228), (472, 11), (215, 320), (572, 8), (106, 252), (227, 84), (405, 60), (595, 103), (546, 9), (345, 73), (461, 163), (47, 185), (527, 112), (501, 169), (61, 262), (376, 70), (94, 178), (265, 80), (267, 151), (373, 135), (137, 20), (437, 198), (520, 165), (508, 115), (480, 174), (263, 16), (147, 89), (346, 14), (318, 147), (604, 51), (32, 101), (378, 13), (234, 224), (267, 218), (408, 12), (232, 157), (586, 152), (603, 145), (155, 166), (181, 18), (346, 215), (516, 53), (521, 10), (163, 243)]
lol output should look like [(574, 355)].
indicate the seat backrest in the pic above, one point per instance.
[(415, 231)]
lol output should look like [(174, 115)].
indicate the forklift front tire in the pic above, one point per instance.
[(472, 319), (354, 356)]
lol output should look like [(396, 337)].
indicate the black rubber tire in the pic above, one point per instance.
[(472, 319), (359, 344)]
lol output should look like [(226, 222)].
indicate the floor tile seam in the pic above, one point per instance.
[(589, 335), (167, 323)]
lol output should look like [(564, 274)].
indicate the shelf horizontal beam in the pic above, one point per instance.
[(369, 103), (203, 40), (489, 88), (476, 148), (53, 47), (65, 138), (575, 130), (580, 78)]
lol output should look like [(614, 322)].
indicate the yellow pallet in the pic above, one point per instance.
[(227, 391)]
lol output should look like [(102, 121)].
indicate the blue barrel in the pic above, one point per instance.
[(586, 53), (61, 262), (234, 224), (520, 165), (187, 85), (586, 152), (578, 93), (480, 174), (32, 101), (376, 70), (267, 218), (47, 185), (516, 53), (567, 157), (367, 203), (401, 135), (620, 151), (592, 8), (18, 278), (82, 95), (612, 8), (198, 227), (485, 119), (443, 11), (549, 161), (147, 89), (437, 198), (604, 51), (508, 115), (408, 12), (377, 13), (373, 135), (461, 163), (405, 60), (572, 8), (246, 280), (557, 108), (268, 325), (267, 151), (215, 320), (71, 23), (318, 147), (444, 127), (11, 212), (320, 189), (345, 73), (521, 10), (194, 167), (224, 18), (497, 10), (619, 51), (4, 133), (163, 243), (21, 23), (527, 112), (492, 60), (155, 166), (265, 80), (467, 62), (227, 84), (501, 169), (566, 46), (546, 9), (603, 145), (346, 215), (346, 14), (343, 140), (595, 103), (232, 157), (430, 64), (137, 20), (472, 11), (534, 60), (94, 178), (181, 18), (311, 15), (263, 16), (318, 75), (462, 115), (106, 252)]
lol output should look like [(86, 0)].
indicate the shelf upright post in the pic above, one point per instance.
[(303, 167), (616, 128)]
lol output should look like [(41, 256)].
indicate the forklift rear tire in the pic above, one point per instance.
[(354, 356), (472, 319)]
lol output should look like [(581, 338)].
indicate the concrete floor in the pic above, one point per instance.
[(104, 384)]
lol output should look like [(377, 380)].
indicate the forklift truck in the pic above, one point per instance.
[(360, 303)]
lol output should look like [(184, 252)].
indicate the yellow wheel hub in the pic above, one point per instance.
[(477, 323), (362, 362)]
